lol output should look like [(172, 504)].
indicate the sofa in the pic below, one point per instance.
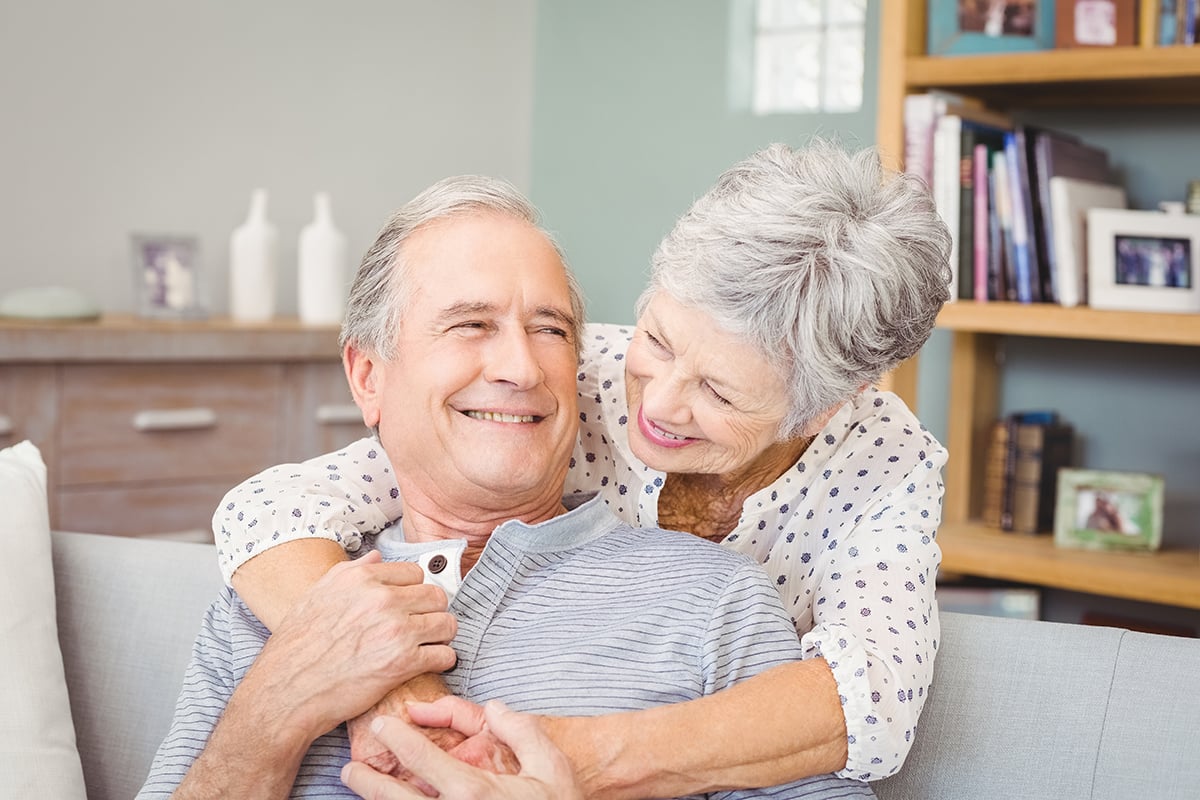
[(1018, 709)]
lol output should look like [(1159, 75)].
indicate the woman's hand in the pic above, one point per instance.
[(545, 771)]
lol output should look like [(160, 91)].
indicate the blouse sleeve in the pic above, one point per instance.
[(338, 496), (875, 621)]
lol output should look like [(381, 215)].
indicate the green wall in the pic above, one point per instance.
[(633, 119)]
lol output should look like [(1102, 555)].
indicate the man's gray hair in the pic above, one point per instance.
[(380, 293), (829, 265)]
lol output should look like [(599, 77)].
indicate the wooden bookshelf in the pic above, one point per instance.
[(1169, 577), (1092, 77)]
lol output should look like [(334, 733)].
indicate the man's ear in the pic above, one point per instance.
[(362, 373)]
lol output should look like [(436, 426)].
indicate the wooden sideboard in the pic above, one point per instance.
[(144, 425)]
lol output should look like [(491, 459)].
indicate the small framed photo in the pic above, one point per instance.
[(167, 277), (1106, 510), (1095, 23), (970, 27), (1143, 260)]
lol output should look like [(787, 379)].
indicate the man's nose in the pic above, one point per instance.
[(512, 359)]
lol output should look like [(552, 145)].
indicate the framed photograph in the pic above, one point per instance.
[(1095, 23), (970, 27), (1143, 260), (1105, 510), (166, 277)]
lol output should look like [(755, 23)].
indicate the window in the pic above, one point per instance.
[(808, 55)]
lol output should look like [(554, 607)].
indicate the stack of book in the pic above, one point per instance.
[(1015, 198), (1024, 455)]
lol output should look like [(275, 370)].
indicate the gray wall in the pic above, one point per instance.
[(153, 116)]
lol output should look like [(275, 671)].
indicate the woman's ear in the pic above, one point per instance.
[(362, 370)]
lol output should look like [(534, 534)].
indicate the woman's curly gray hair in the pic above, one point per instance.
[(829, 265), (379, 294)]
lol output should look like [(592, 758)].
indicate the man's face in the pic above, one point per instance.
[(479, 407)]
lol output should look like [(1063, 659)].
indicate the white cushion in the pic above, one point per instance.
[(38, 757)]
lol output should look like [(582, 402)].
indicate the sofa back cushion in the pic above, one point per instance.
[(128, 611), (37, 742)]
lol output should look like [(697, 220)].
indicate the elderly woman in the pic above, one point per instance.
[(739, 408)]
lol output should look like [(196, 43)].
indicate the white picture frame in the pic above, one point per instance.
[(1070, 200), (1143, 260)]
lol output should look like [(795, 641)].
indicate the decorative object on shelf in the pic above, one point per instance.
[(969, 27), (322, 267), (253, 250), (1143, 260), (1107, 510), (48, 303), (167, 277), (1095, 23), (1070, 200), (1193, 197)]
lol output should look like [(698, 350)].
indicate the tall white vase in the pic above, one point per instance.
[(322, 270), (253, 255)]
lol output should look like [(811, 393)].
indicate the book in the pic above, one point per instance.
[(991, 138), (995, 256), (1005, 279), (921, 113), (1042, 449), (1166, 21), (1148, 12), (1061, 155), (1028, 287), (994, 468), (1070, 200), (982, 212)]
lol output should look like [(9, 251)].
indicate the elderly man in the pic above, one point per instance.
[(460, 347)]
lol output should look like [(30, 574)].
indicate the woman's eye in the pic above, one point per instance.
[(655, 343), (717, 395)]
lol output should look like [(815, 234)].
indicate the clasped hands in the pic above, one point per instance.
[(364, 628)]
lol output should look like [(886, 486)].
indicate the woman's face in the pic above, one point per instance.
[(700, 399)]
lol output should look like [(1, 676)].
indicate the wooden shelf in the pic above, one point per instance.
[(1085, 77), (1170, 577), (1052, 321), (130, 338)]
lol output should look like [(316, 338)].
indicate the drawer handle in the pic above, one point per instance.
[(182, 419), (6, 425), (337, 414)]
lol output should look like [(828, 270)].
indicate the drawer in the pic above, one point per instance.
[(167, 422), (320, 412), (141, 511), (28, 396)]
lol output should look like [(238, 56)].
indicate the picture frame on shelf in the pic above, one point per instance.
[(1095, 23), (167, 276), (1108, 510), (973, 27), (1143, 260)]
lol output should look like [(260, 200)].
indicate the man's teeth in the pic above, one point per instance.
[(492, 416)]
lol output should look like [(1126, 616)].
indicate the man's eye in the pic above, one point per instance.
[(553, 331)]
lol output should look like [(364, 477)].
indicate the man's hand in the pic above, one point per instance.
[(364, 628), (545, 774)]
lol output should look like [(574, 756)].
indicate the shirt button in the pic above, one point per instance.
[(437, 564)]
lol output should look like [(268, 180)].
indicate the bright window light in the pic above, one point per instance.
[(808, 55)]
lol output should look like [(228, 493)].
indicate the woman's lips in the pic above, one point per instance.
[(656, 435)]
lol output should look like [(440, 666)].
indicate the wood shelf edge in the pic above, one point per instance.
[(1169, 577), (1052, 321), (1081, 65)]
